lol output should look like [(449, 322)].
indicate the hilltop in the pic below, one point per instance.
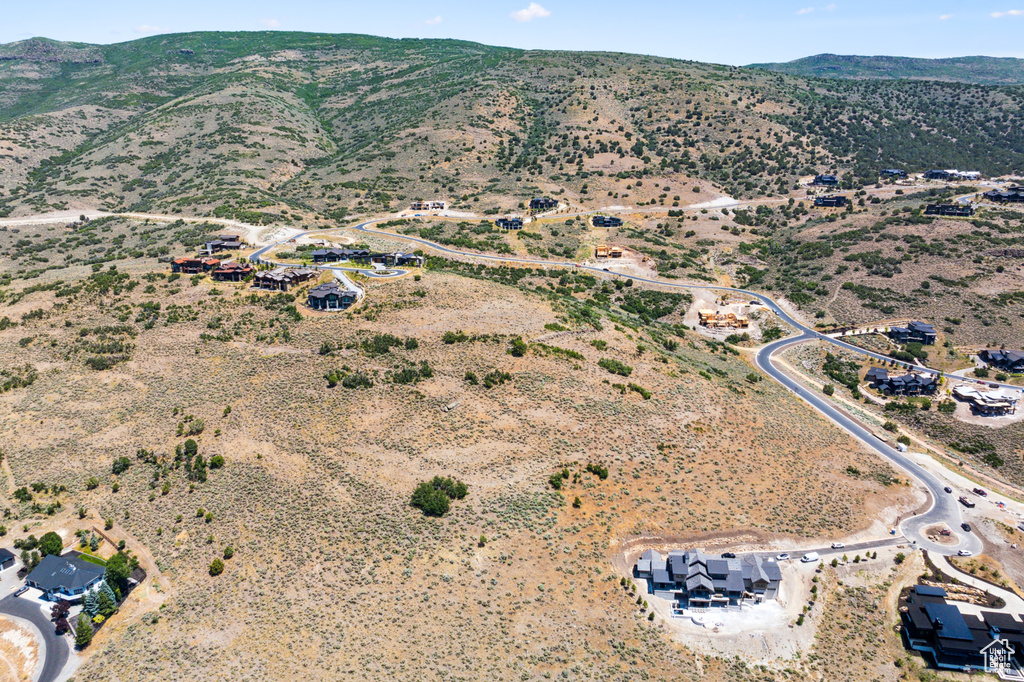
[(974, 70), (267, 126)]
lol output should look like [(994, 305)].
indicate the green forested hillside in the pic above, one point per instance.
[(977, 70), (261, 125)]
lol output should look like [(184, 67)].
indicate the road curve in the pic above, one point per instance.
[(944, 507), (56, 651)]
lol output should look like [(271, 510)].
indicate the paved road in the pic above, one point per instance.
[(826, 553), (57, 649), (944, 508)]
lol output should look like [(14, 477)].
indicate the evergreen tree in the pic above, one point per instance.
[(105, 589), (89, 603), (83, 631), (104, 604)]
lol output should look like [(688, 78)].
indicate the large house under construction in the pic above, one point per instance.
[(719, 320), (605, 251)]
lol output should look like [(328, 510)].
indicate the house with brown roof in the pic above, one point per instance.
[(282, 279), (194, 266), (232, 272)]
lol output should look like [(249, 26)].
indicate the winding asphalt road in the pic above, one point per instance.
[(57, 650)]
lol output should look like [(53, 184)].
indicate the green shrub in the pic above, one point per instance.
[(615, 367)]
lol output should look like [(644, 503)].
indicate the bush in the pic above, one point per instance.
[(216, 567), (216, 462), (981, 372), (471, 378), (891, 426), (229, 552), (828, 389), (598, 470), (615, 367), (121, 465), (518, 347), (434, 497), (899, 558)]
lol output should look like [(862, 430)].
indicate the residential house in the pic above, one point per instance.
[(914, 332), (606, 221), (910, 383), (992, 403), (509, 223), (543, 204), (6, 559), (194, 266), (697, 580), (232, 272), (64, 577), (1008, 360), (330, 296), (952, 640), (825, 180), (282, 279), (952, 175), (831, 201), (435, 205), (223, 242), (336, 255), (893, 173), (952, 210), (1013, 195)]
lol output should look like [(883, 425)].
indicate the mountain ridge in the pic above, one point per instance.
[(976, 69)]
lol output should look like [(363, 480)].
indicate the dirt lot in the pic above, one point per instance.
[(19, 652)]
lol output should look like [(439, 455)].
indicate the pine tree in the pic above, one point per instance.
[(105, 589), (104, 604), (83, 631), (89, 603)]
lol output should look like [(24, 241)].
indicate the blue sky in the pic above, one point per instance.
[(723, 31)]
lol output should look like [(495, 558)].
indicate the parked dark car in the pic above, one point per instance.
[(948, 489), (728, 555), (21, 590), (966, 526), (979, 491)]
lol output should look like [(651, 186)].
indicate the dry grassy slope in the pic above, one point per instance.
[(945, 272), (334, 575)]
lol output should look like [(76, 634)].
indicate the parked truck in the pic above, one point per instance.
[(965, 502)]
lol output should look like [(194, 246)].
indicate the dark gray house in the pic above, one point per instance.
[(697, 580), (911, 383), (914, 332), (893, 172), (330, 296), (1009, 360), (1014, 195), (606, 221), (949, 210), (543, 204), (831, 201), (64, 577), (825, 180), (6, 559), (509, 223)]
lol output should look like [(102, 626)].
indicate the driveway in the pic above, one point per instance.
[(57, 648)]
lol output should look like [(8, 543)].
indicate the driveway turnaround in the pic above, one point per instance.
[(57, 649)]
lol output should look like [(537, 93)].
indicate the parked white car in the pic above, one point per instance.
[(782, 557), (965, 552), (809, 557), (837, 545)]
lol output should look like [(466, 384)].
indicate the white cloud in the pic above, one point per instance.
[(944, 17), (534, 11), (832, 8), (146, 28), (1008, 13), (805, 10), (270, 23), (434, 22)]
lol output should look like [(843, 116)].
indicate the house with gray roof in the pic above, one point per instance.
[(694, 579), (64, 577)]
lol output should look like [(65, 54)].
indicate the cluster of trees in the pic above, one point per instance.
[(598, 470), (615, 367), (434, 497)]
